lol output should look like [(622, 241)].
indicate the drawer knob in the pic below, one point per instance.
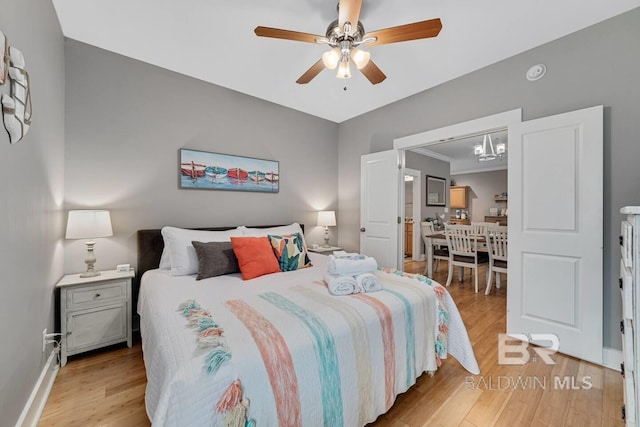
[(98, 295)]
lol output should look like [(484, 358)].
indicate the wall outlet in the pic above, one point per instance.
[(446, 210)]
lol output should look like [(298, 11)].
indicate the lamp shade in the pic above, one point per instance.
[(88, 224), (327, 218)]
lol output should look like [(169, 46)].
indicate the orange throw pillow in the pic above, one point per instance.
[(255, 256)]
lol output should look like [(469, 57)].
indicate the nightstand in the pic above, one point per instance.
[(94, 311), (324, 249)]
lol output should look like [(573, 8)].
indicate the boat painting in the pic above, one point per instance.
[(237, 173), (192, 170), (256, 176), (215, 171), (272, 176)]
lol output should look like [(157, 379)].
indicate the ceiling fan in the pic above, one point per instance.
[(346, 35)]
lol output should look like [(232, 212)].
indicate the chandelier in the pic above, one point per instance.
[(486, 151)]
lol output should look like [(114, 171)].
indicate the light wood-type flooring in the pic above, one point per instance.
[(106, 388)]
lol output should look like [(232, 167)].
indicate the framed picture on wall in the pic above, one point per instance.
[(436, 190), (4, 58), (214, 171)]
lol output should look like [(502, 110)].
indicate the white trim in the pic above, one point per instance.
[(436, 136), (35, 405), (611, 358), (433, 154), (489, 169), (417, 211)]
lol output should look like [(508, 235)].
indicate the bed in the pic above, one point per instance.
[(289, 353)]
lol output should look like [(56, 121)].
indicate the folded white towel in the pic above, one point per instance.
[(350, 255), (351, 266), (341, 285), (369, 282)]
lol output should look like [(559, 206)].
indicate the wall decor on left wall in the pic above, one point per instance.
[(16, 106), (214, 171), (4, 58)]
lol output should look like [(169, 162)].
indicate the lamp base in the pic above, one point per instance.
[(326, 237), (90, 260)]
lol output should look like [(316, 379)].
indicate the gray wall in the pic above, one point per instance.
[(483, 186), (597, 65), (126, 121), (31, 218), (433, 167)]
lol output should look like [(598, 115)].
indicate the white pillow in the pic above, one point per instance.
[(182, 254), (165, 260), (278, 231)]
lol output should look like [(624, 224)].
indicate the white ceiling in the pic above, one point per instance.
[(459, 153), (214, 41)]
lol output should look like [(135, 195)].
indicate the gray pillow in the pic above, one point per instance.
[(215, 259)]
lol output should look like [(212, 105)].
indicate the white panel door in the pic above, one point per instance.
[(555, 230), (379, 195)]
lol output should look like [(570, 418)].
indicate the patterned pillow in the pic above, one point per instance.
[(290, 251)]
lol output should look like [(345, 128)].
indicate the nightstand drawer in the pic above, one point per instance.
[(104, 293)]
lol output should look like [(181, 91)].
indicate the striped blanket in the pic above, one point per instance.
[(303, 357)]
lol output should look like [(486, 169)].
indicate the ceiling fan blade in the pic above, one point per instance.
[(278, 33), (349, 11), (403, 33), (311, 73), (373, 73)]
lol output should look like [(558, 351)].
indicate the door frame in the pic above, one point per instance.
[(416, 213), (488, 124)]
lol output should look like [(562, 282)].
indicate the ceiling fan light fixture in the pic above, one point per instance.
[(501, 148), (344, 70), (331, 58), (360, 58), (478, 150)]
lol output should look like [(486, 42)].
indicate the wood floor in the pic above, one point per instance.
[(106, 388)]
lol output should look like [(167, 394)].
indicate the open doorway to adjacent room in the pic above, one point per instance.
[(475, 169)]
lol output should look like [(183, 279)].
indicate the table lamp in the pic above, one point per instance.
[(89, 224), (326, 219)]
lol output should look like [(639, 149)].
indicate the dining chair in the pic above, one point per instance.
[(497, 246), (463, 250), (479, 228), (439, 252)]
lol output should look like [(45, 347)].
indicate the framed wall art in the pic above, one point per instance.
[(436, 188), (214, 171), (4, 58)]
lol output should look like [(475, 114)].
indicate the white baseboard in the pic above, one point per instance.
[(611, 358), (35, 405)]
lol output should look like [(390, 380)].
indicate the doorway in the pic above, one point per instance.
[(555, 222), (411, 215)]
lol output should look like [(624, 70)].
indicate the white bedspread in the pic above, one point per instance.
[(398, 326)]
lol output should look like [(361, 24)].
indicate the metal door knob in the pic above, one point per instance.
[(362, 229)]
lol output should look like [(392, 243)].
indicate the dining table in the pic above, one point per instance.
[(439, 239)]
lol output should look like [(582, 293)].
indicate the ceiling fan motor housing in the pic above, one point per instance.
[(335, 34)]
